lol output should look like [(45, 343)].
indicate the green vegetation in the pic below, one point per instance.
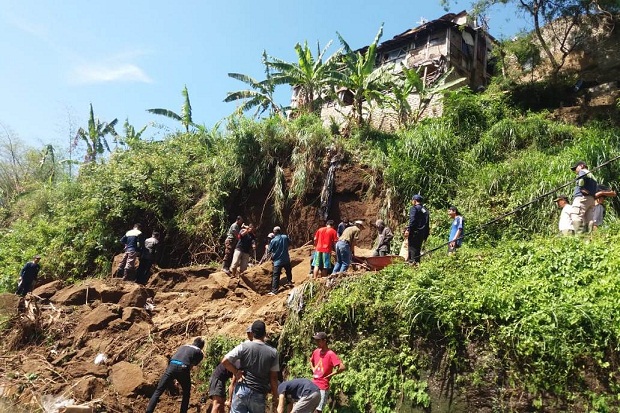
[(520, 319), (533, 319)]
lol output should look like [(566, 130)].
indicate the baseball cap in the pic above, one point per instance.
[(417, 197), (277, 229), (564, 197), (321, 335), (576, 164), (249, 329), (379, 223), (271, 235), (259, 329), (359, 222)]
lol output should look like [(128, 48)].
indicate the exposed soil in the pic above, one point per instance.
[(54, 337)]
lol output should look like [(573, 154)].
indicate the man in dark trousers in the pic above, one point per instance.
[(179, 369), (258, 372), (278, 247), (150, 254), (27, 276), (418, 229), (133, 241)]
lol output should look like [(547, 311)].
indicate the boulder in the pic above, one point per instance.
[(127, 378), (98, 318), (75, 295), (135, 297), (258, 278), (48, 290), (86, 368), (133, 314)]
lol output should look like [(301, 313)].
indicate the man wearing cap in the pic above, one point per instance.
[(583, 197), (305, 394), (27, 276), (179, 369), (345, 247), (325, 240), (325, 364), (418, 229), (384, 240), (232, 236), (278, 247), (565, 224), (257, 373)]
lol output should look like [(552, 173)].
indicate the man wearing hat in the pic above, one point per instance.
[(27, 276), (566, 222), (345, 247), (257, 373), (384, 240), (583, 197), (278, 247), (418, 229), (323, 362)]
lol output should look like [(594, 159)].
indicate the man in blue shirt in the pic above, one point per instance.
[(583, 197), (278, 248)]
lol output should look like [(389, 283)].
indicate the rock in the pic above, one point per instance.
[(48, 290), (8, 304), (258, 278), (126, 378), (84, 368), (133, 314), (74, 295), (98, 318), (112, 293), (136, 297)]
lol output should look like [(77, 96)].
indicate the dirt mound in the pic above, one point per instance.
[(130, 330)]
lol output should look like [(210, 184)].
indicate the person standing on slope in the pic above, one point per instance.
[(325, 364)]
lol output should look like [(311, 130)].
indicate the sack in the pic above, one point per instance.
[(404, 249)]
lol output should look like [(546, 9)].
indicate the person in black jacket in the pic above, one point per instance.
[(27, 276), (418, 228), (179, 369)]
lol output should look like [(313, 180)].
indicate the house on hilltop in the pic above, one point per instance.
[(451, 42)]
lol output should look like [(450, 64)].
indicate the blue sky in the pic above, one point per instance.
[(128, 56)]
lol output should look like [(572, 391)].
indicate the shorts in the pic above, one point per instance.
[(217, 388), (323, 402), (322, 260)]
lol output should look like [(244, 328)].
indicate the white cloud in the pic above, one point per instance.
[(107, 74)]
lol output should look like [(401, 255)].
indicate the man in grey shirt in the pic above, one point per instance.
[(258, 374)]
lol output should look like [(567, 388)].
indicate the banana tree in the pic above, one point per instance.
[(410, 82), (358, 74), (310, 75), (95, 136), (186, 112), (260, 95)]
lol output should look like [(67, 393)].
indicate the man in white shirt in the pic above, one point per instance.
[(566, 222)]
